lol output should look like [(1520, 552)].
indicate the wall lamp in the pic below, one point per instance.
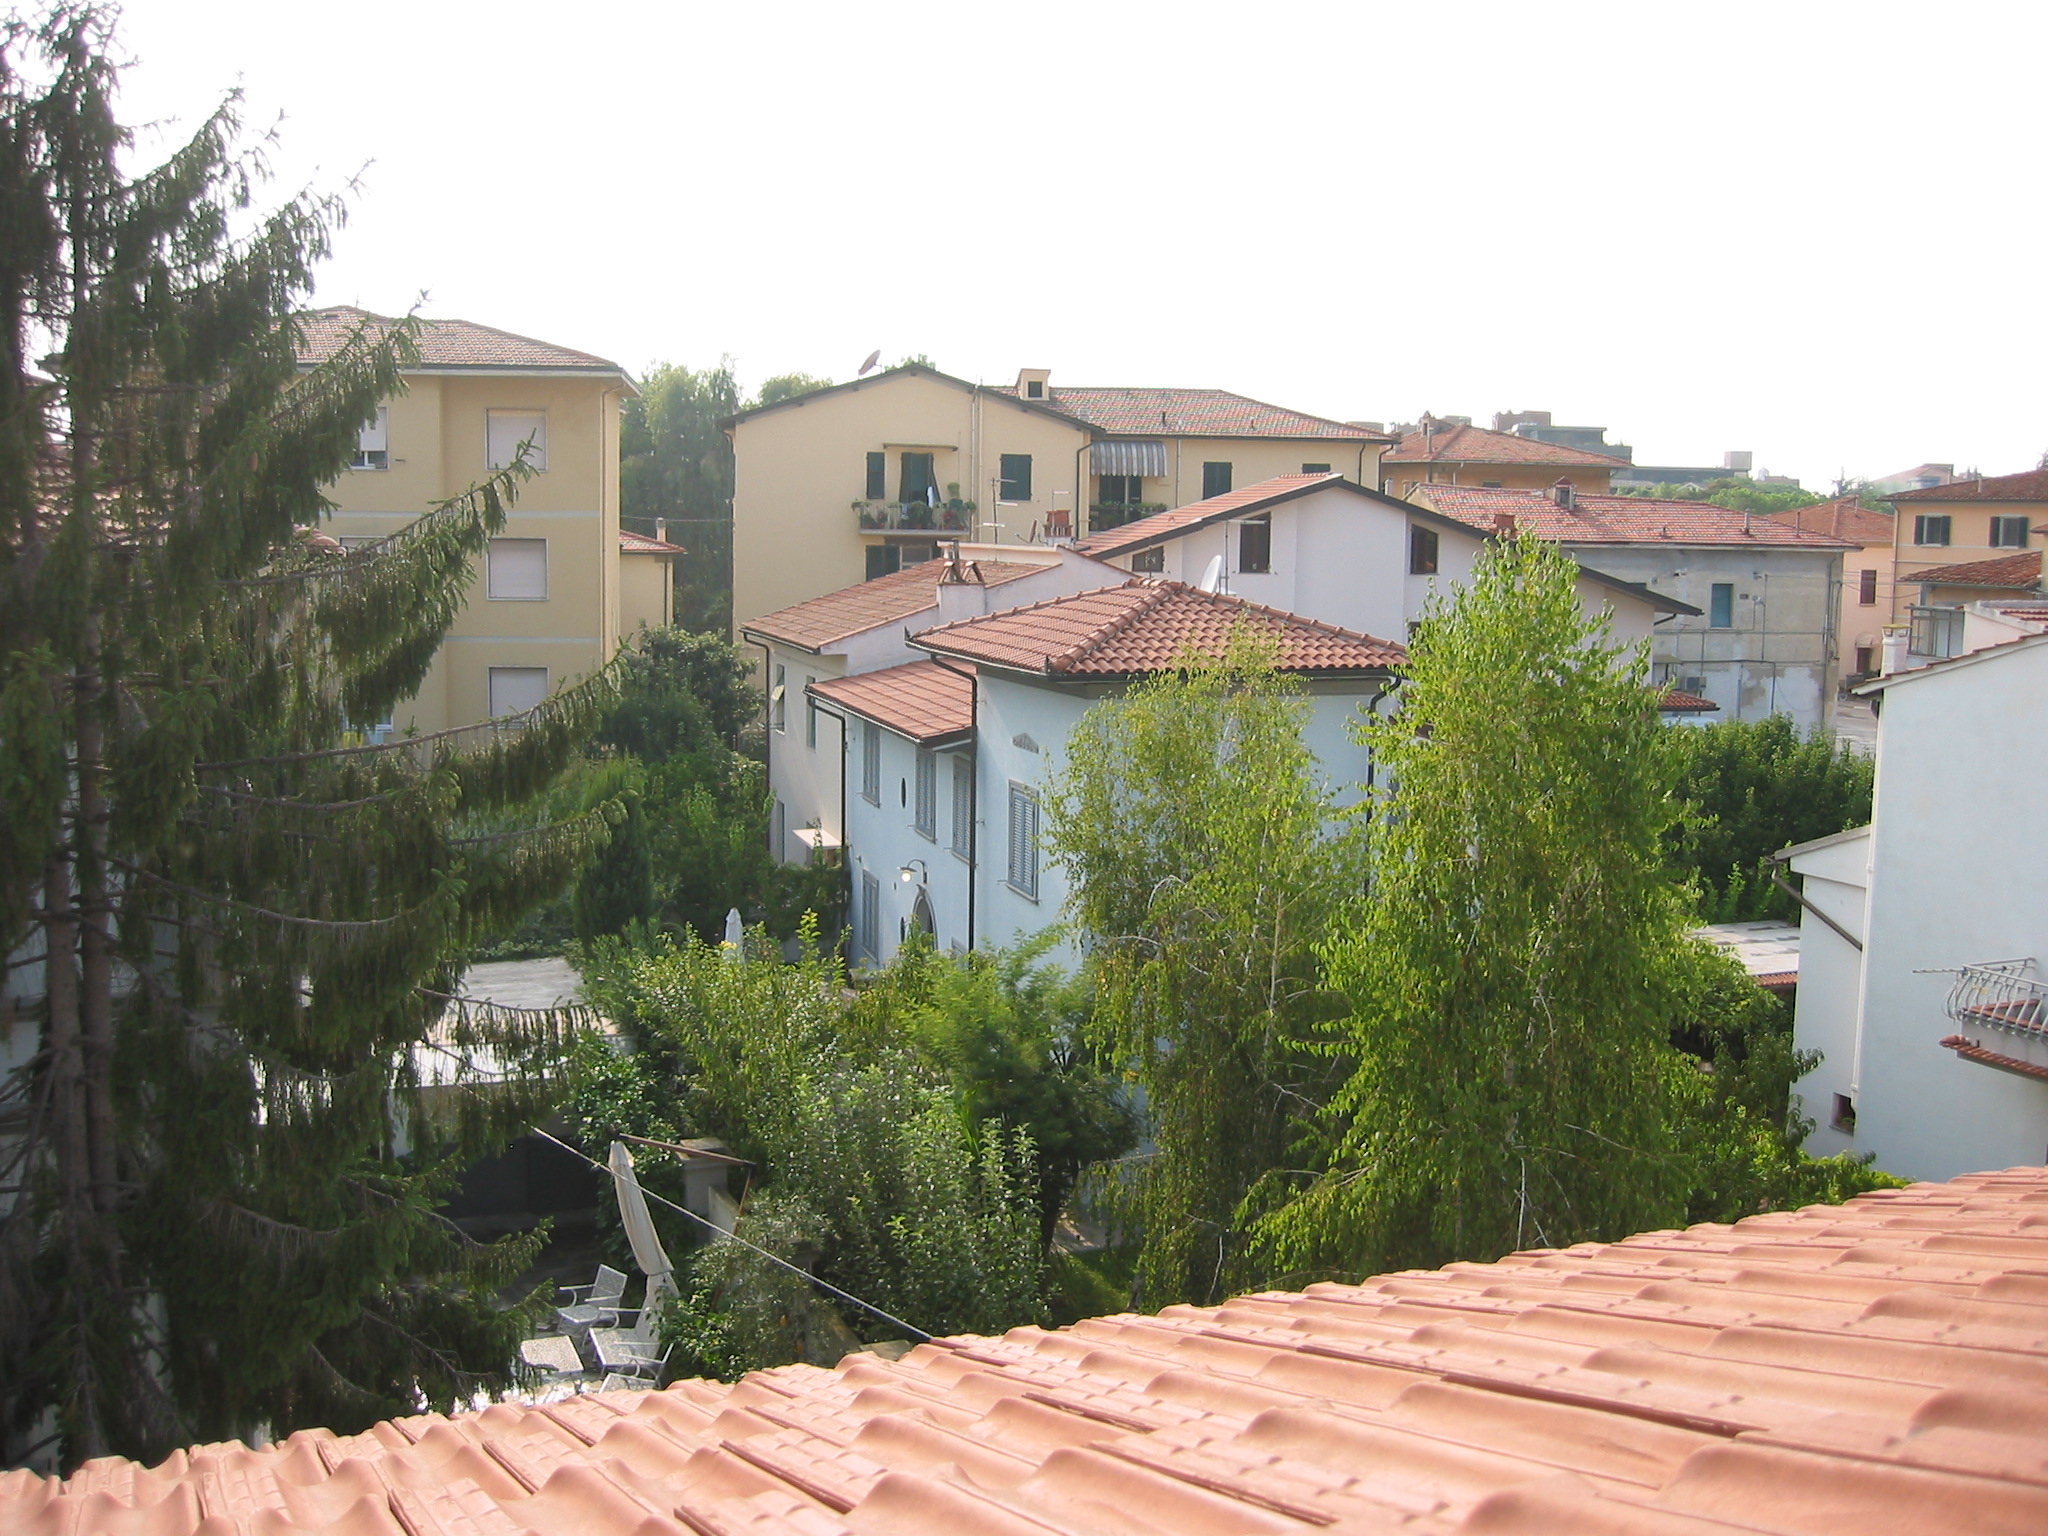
[(914, 870)]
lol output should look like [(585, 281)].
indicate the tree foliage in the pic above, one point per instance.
[(675, 463), (1752, 787), (1207, 862), (1513, 969), (1740, 493), (244, 920)]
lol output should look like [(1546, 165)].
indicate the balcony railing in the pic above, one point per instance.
[(2002, 995), (954, 516)]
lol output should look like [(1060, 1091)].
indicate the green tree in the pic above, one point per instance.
[(675, 463), (787, 386), (1207, 860), (1512, 972), (1752, 787), (615, 893), (248, 919)]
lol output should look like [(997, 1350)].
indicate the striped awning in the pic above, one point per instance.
[(1147, 459)]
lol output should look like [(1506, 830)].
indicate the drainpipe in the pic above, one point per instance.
[(1084, 515), (973, 784)]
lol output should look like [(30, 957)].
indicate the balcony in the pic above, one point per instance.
[(916, 517), (2001, 995)]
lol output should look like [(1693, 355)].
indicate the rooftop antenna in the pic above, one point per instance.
[(868, 367)]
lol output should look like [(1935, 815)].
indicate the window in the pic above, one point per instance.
[(1016, 477), (373, 443), (1721, 606), (1315, 469), (1489, 485), (1422, 547), (517, 570), (1121, 490), (1931, 528), (1843, 1115), (810, 716), (916, 483), (1034, 389), (871, 762), (963, 806), (884, 560), (870, 936), (1936, 632), (508, 429), (2009, 531), (1215, 480), (515, 690), (1022, 869), (1866, 587), (1255, 544), (1150, 561), (778, 700), (1865, 655), (878, 476), (927, 819)]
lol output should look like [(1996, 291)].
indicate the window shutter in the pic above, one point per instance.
[(1215, 480), (963, 805), (1016, 484), (1866, 586), (518, 570), (878, 476), (508, 429), (515, 690), (871, 762), (927, 793)]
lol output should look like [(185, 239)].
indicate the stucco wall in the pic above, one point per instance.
[(1969, 540), (1827, 1016)]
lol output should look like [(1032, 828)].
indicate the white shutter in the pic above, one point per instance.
[(963, 805), (515, 690), (871, 762), (518, 570), (1023, 871), (927, 793), (508, 429), (373, 443)]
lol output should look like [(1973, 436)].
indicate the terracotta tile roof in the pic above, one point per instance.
[(920, 699), (1456, 443), (1617, 519), (1161, 526), (1880, 1366), (2026, 613), (631, 543), (1843, 518), (886, 600), (2021, 569), (445, 344), (2031, 485), (1676, 701), (1192, 413), (1146, 626)]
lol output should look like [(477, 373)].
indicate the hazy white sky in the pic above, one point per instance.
[(1807, 228)]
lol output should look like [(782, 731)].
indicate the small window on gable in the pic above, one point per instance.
[(1034, 389), (1422, 550), (1016, 483), (373, 443), (1315, 469), (1215, 480), (510, 429), (1150, 562), (1255, 544), (2009, 531), (1489, 485), (878, 476), (517, 570)]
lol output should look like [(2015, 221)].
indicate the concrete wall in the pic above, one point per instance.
[(1829, 1011), (647, 593)]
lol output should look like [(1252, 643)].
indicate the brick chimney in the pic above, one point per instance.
[(1504, 525)]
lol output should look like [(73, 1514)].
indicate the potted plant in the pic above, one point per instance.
[(916, 515), (870, 515)]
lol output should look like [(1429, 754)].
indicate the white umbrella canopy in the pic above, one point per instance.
[(639, 1222), (735, 935)]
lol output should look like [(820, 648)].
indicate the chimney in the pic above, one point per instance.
[(1563, 495), (1503, 525), (962, 594), (661, 530), (1896, 641)]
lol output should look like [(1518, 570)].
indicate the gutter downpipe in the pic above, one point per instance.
[(973, 784), (1081, 528)]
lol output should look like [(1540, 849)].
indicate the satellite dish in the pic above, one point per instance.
[(874, 357), (1212, 578)]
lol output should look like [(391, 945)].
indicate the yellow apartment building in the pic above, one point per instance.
[(554, 593), (1458, 453), (857, 481), (1869, 574), (1963, 523)]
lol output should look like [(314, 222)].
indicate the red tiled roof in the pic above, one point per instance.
[(1616, 519), (444, 344), (1675, 701), (1880, 1366), (1161, 526), (2021, 569), (1457, 443), (920, 699), (1146, 626), (631, 543), (886, 600), (1192, 413), (2030, 485), (1843, 518), (2029, 613)]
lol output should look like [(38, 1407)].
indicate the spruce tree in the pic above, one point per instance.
[(232, 924)]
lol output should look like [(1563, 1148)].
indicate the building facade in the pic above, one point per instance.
[(1458, 453), (1964, 522), (1869, 575)]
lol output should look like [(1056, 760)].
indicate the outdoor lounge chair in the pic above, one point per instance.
[(595, 1304), (634, 1351)]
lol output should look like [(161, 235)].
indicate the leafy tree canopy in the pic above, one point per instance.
[(787, 386)]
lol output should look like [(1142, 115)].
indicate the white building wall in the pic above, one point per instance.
[(1827, 1016), (1957, 877)]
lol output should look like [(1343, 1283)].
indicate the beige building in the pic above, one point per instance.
[(1868, 574), (555, 592), (855, 482), (1962, 523), (1458, 453)]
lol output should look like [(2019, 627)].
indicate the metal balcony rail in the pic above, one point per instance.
[(2000, 994)]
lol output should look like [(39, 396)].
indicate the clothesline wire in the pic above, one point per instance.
[(734, 1237)]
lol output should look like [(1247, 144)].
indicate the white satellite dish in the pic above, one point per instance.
[(874, 357), (1212, 578)]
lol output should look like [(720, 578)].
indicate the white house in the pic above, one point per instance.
[(1330, 549), (1924, 932), (1758, 634), (955, 754), (863, 628)]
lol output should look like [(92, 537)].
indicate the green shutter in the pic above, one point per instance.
[(878, 476)]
